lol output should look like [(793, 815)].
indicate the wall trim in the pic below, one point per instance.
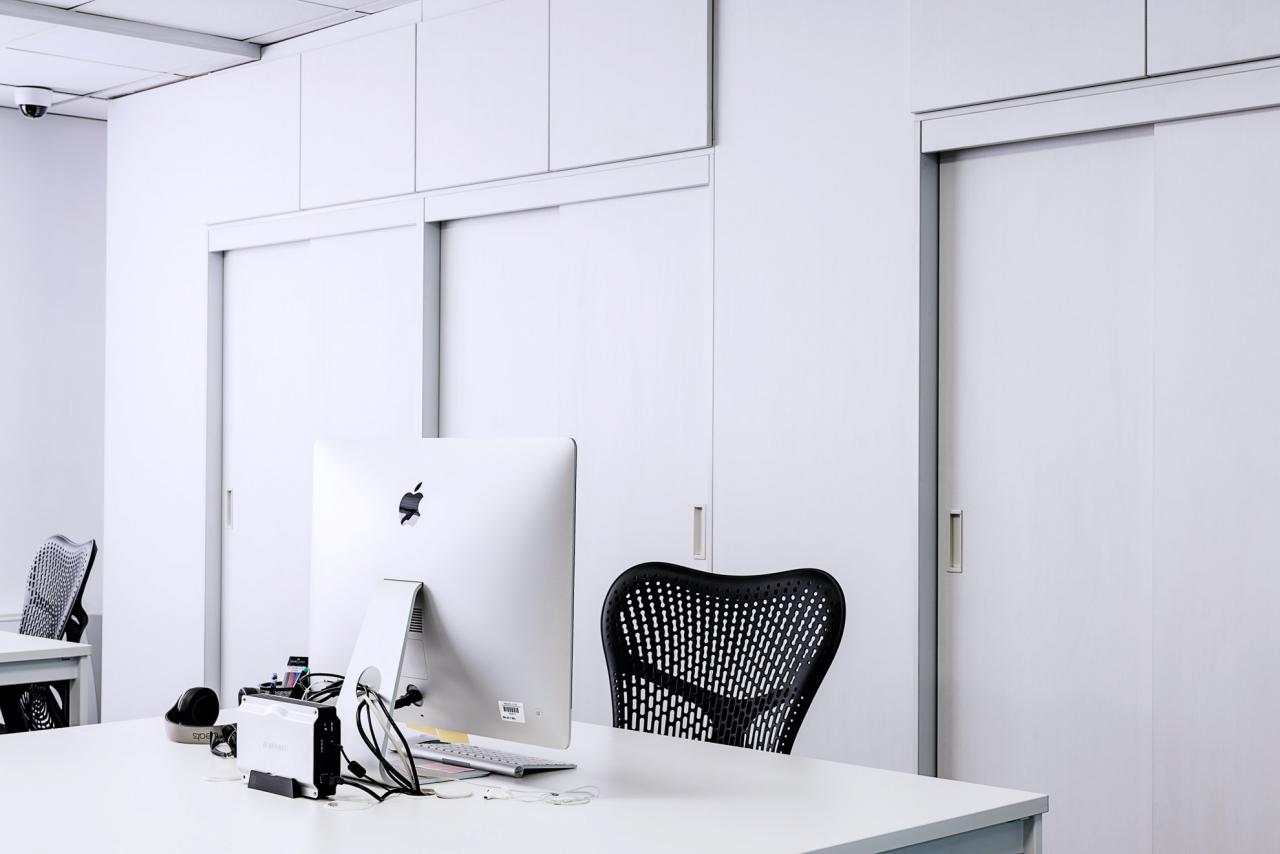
[(551, 189), (1146, 102), (325, 222), (544, 190), (391, 18)]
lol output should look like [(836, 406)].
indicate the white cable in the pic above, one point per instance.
[(352, 805), (388, 726), (577, 796)]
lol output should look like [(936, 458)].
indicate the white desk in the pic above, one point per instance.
[(123, 787), (26, 659)]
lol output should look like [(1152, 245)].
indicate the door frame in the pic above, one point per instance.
[(927, 471)]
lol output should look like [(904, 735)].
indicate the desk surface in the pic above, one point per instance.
[(16, 647), (123, 786)]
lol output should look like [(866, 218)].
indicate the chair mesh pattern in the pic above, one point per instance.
[(51, 609), (723, 658)]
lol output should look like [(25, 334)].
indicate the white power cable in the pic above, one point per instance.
[(577, 796)]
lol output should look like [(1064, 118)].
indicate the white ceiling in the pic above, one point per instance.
[(88, 66)]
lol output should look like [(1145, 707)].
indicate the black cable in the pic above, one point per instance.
[(352, 766), (223, 736), (411, 695), (389, 769), (322, 694), (396, 773), (402, 784), (404, 743), (327, 692), (310, 674), (347, 781)]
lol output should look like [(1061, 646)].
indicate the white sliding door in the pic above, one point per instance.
[(320, 339), (592, 321), (1217, 484), (1045, 429)]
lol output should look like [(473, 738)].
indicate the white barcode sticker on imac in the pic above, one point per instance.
[(511, 711)]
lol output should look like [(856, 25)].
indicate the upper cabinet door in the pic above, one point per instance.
[(482, 94), (357, 119), (628, 79), (245, 140), (1186, 34), (970, 51)]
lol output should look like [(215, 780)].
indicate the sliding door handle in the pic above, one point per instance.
[(226, 509), (955, 538), (699, 532)]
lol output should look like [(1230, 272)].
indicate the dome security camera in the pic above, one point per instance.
[(33, 101)]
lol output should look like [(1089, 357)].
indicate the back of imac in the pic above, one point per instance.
[(487, 526)]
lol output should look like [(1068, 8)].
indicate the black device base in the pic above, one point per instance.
[(285, 786)]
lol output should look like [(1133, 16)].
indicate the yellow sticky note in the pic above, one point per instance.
[(442, 734)]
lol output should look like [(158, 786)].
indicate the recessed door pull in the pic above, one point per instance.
[(956, 537), (699, 532)]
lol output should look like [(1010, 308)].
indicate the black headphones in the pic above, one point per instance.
[(191, 719)]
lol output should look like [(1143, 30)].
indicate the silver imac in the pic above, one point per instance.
[(487, 527)]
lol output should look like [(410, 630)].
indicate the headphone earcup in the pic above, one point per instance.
[(197, 707)]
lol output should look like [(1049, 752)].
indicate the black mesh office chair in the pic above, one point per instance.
[(734, 659), (52, 609)]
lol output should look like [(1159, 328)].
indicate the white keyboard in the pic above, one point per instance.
[(486, 759)]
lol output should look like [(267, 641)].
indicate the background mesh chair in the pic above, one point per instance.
[(734, 659), (52, 609)]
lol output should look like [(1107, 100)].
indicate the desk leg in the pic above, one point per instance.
[(78, 712), (1032, 835)]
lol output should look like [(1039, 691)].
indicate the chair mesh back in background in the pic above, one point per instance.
[(54, 588), (724, 658)]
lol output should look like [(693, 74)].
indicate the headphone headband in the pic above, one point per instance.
[(184, 734), (192, 718)]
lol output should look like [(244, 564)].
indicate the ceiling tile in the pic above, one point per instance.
[(12, 29), (360, 5), (61, 4), (88, 108), (370, 6), (20, 68), (329, 18), (236, 19), (138, 86), (336, 4), (128, 51)]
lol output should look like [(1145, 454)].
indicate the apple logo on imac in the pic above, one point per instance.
[(409, 505)]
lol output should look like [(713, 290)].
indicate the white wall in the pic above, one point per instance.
[(817, 339), (216, 148), (53, 192), (52, 236)]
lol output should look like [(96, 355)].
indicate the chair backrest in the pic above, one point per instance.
[(52, 609), (734, 659), (55, 586)]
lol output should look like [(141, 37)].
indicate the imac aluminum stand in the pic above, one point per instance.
[(392, 625)]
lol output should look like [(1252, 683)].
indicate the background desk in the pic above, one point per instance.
[(123, 787), (26, 659)]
